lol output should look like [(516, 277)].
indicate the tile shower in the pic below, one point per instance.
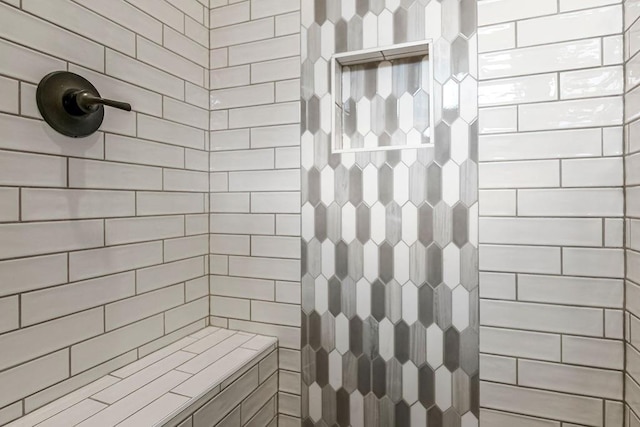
[(468, 256)]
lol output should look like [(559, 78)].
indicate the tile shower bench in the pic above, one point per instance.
[(215, 377)]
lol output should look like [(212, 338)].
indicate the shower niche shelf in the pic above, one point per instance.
[(382, 99)]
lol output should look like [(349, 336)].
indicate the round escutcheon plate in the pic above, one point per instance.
[(60, 111)]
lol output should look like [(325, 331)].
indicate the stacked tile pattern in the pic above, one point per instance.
[(385, 104), (104, 238), (255, 178), (632, 193), (551, 212), (389, 286)]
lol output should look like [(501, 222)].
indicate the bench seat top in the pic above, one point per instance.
[(153, 390)]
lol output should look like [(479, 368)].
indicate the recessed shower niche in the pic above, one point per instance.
[(382, 98)]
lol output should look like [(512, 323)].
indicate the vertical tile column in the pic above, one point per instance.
[(390, 283), (632, 193), (551, 212), (255, 178)]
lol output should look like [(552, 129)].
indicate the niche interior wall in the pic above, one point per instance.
[(389, 238)]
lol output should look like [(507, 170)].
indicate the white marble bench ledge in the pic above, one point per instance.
[(162, 388)]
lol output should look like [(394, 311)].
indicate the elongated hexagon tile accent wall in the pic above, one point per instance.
[(389, 289)]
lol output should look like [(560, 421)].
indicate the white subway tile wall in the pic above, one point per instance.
[(632, 215), (105, 238), (255, 177), (551, 213)]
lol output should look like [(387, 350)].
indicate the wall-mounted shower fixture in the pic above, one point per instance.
[(71, 105)]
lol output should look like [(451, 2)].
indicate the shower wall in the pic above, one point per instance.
[(389, 253), (103, 239), (632, 194), (255, 178), (551, 212)]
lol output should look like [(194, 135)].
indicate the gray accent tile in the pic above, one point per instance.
[(451, 349), (314, 42), (469, 358), (376, 6), (341, 38), (442, 306), (308, 361), (393, 301), (313, 189), (364, 374), (434, 417), (328, 340), (342, 259), (334, 10), (315, 330), (401, 341), (355, 336), (342, 184), (417, 263), (354, 26), (460, 58), (385, 262), (343, 408), (393, 225), (426, 305), (379, 377), (363, 223), (387, 412), (349, 372), (451, 418), (322, 367), (394, 380), (322, 149), (329, 405), (442, 224), (313, 262), (426, 386), (372, 411), (362, 7), (313, 114), (355, 186), (391, 114), (348, 301), (320, 12), (434, 265), (335, 297), (461, 392), (417, 183), (370, 335), (334, 223), (434, 184), (469, 178), (378, 297), (418, 344), (460, 225), (320, 222), (400, 18), (385, 184), (402, 415)]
